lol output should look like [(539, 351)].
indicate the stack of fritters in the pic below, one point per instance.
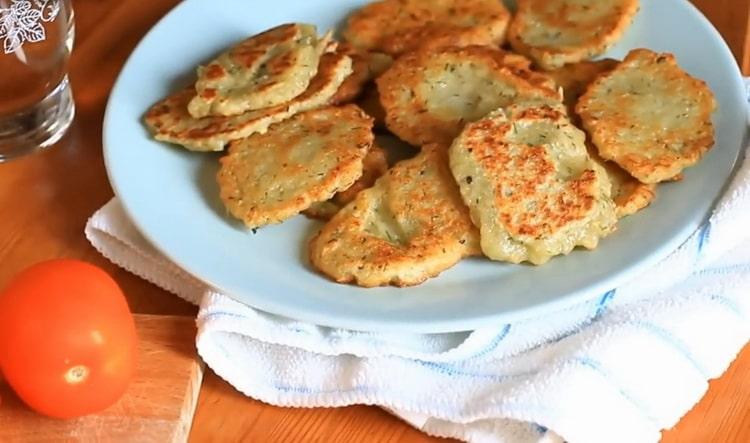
[(170, 121), (504, 167), (272, 99)]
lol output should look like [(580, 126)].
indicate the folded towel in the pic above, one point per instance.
[(618, 368)]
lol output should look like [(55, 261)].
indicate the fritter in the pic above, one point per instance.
[(428, 96), (409, 227), (264, 70), (399, 26), (556, 32), (649, 116), (268, 178), (532, 189)]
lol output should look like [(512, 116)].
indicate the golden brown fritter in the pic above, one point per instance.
[(399, 26), (428, 96), (268, 178), (649, 116), (531, 187), (409, 227), (557, 32), (264, 70), (169, 120)]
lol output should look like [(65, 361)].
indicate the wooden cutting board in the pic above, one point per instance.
[(158, 406)]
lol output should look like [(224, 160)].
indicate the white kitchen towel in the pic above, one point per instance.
[(618, 369)]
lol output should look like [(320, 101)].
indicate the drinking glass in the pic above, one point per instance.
[(36, 105)]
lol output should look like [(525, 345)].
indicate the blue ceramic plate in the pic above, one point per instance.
[(172, 197)]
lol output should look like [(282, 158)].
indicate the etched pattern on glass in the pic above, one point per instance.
[(21, 21)]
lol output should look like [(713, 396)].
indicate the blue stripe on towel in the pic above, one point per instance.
[(726, 270), (453, 371), (589, 363), (308, 391), (704, 233), (225, 314), (494, 344), (675, 342), (729, 304), (603, 302)]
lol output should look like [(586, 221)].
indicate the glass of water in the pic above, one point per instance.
[(36, 105)]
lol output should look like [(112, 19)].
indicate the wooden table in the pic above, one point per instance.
[(47, 198)]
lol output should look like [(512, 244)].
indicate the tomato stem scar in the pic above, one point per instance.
[(77, 374)]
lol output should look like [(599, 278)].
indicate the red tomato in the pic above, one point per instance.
[(67, 338)]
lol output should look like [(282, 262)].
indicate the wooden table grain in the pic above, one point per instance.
[(47, 198)]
